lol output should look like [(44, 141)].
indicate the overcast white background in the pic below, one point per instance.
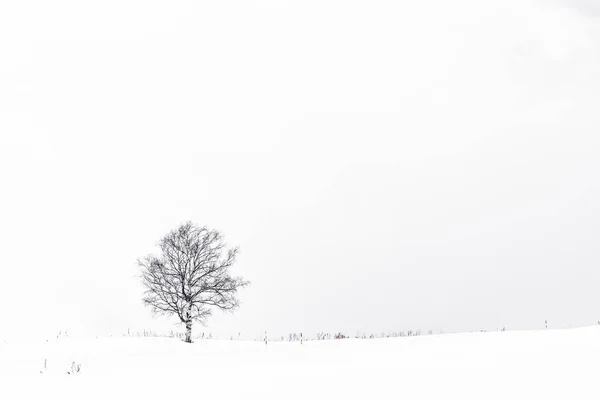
[(383, 165)]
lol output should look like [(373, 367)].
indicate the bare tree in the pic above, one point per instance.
[(191, 276)]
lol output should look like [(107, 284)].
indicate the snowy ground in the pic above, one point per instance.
[(554, 364)]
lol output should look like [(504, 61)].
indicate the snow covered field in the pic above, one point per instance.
[(554, 364)]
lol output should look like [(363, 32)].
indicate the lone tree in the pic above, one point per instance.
[(191, 276)]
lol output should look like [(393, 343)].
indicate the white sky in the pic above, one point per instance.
[(383, 165)]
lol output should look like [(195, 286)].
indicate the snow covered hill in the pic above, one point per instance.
[(554, 364)]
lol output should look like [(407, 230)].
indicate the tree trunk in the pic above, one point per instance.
[(188, 324), (188, 330)]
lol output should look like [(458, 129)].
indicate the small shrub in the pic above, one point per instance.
[(75, 368)]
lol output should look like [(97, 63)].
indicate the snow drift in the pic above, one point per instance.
[(554, 364)]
